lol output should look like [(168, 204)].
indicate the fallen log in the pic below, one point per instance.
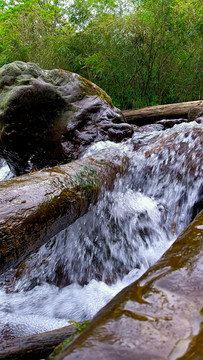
[(36, 206), (151, 114), (35, 346), (159, 316)]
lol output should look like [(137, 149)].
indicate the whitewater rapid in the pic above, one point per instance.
[(84, 266)]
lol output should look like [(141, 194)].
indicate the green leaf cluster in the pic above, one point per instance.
[(140, 52)]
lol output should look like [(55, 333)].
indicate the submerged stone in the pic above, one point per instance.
[(169, 123), (49, 117), (156, 317)]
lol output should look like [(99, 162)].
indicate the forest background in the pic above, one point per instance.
[(141, 53)]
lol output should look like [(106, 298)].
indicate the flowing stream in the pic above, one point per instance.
[(85, 265)]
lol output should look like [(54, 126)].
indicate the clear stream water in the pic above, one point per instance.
[(117, 240)]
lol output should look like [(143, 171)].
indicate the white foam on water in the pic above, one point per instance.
[(5, 172), (84, 266)]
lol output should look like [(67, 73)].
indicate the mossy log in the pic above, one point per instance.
[(36, 346), (151, 114), (36, 206), (158, 316)]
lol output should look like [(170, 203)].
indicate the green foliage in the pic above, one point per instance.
[(32, 31), (78, 329), (140, 52)]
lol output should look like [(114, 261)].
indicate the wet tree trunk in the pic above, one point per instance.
[(36, 206), (151, 114), (36, 346)]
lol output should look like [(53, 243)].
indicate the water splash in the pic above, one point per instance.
[(5, 172), (85, 265)]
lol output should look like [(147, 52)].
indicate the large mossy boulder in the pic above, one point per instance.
[(158, 316), (50, 116)]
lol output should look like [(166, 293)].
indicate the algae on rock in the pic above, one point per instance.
[(49, 117)]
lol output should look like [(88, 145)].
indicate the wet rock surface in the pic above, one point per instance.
[(49, 117), (169, 123), (195, 113), (158, 316), (170, 144)]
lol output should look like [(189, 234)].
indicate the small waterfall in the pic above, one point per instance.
[(5, 172), (85, 265)]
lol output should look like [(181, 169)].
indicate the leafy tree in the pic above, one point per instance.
[(141, 52), (33, 31)]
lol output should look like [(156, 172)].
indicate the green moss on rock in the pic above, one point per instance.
[(88, 178), (90, 89), (78, 329)]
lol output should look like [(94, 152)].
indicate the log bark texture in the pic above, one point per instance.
[(36, 206), (151, 114), (36, 346)]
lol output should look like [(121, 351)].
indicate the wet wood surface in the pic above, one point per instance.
[(153, 113), (36, 206), (36, 346)]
